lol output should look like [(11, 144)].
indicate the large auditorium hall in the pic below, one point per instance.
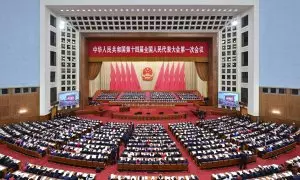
[(149, 90)]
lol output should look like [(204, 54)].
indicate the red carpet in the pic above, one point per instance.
[(112, 169)]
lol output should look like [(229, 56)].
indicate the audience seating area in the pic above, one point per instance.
[(132, 96), (266, 139), (35, 138), (151, 149), (163, 97), (107, 96), (273, 171), (94, 149), (207, 148), (8, 164), (159, 177), (188, 96)]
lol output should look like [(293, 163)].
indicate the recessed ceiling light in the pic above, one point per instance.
[(137, 10), (143, 9), (99, 10), (175, 9), (170, 10), (208, 10), (132, 10), (214, 10), (192, 10), (219, 10), (72, 10), (104, 10), (186, 9), (78, 10), (203, 10), (224, 10), (159, 9), (116, 10), (234, 23), (165, 9), (236, 10), (61, 10), (89, 10), (121, 10), (197, 9), (94, 10), (67, 10), (126, 9), (181, 9), (83, 10), (153, 10), (149, 9), (110, 10), (230, 10)]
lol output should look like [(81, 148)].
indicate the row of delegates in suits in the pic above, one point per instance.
[(133, 96), (8, 163), (159, 177), (187, 96), (101, 144), (256, 173), (204, 145), (294, 166), (108, 96), (162, 95), (264, 137), (38, 136), (150, 144), (55, 173)]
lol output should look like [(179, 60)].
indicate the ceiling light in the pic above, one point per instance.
[(186, 9), (143, 9), (78, 10), (224, 10), (197, 9), (275, 111), (110, 10), (62, 25), (159, 9), (121, 10), (149, 9), (104, 10), (83, 10), (234, 23), (67, 10), (61, 10), (89, 10), (208, 10), (175, 9), (72, 10), (99, 10), (153, 10), (236, 10), (165, 9), (214, 10), (116, 10), (192, 10), (181, 9), (203, 10), (219, 10), (126, 9), (230, 10), (23, 111), (94, 10), (132, 10), (170, 10), (137, 10)]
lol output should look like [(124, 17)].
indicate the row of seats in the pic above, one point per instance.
[(110, 96)]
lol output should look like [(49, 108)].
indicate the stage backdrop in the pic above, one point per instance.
[(192, 80)]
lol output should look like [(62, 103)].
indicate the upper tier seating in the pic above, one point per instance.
[(187, 96), (150, 144), (163, 97), (132, 96)]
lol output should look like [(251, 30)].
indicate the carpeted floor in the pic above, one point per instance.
[(112, 169)]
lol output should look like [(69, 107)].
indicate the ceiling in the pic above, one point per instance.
[(168, 18)]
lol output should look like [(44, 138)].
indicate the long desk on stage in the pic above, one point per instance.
[(152, 167), (117, 115)]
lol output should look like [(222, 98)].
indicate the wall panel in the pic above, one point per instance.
[(11, 104)]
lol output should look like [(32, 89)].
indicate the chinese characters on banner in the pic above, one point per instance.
[(147, 48)]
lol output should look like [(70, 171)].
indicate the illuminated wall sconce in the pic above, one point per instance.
[(23, 111), (274, 111)]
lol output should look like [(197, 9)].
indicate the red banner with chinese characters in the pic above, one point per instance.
[(147, 49)]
